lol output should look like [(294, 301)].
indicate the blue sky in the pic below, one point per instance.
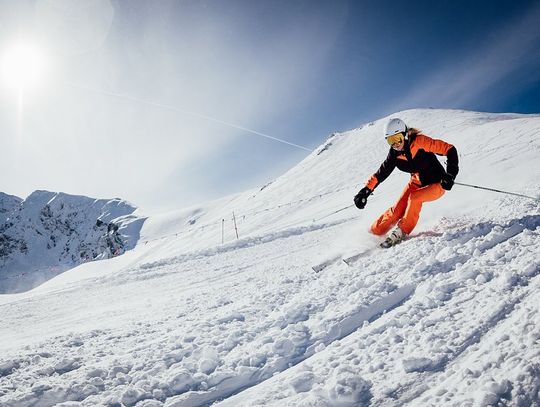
[(146, 100)]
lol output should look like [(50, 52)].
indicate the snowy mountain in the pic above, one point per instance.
[(196, 316), (8, 203), (48, 233)]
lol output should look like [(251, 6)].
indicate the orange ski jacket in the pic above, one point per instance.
[(418, 159)]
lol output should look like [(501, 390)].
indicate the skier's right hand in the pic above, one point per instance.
[(361, 197), (447, 181)]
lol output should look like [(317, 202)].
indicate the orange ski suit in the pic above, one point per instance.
[(418, 159)]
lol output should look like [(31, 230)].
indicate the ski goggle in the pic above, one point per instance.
[(395, 138)]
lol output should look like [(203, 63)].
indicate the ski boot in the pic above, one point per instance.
[(393, 238)]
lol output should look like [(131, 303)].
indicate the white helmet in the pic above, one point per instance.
[(394, 126)]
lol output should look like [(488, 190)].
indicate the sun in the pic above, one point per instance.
[(22, 66)]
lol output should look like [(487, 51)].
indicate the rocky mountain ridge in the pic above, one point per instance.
[(49, 232)]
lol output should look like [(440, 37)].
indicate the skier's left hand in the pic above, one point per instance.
[(447, 181)]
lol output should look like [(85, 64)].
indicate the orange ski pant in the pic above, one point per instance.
[(406, 211)]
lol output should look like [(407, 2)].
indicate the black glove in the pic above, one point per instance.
[(361, 197), (447, 181)]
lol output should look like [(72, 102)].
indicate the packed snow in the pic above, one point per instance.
[(194, 316)]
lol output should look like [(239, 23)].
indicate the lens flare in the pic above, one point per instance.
[(22, 66)]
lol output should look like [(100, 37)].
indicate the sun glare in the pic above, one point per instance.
[(22, 66)]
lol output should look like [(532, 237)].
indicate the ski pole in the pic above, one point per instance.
[(333, 213), (495, 190)]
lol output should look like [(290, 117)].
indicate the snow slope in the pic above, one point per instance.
[(449, 317)]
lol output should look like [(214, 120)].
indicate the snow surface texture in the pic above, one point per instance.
[(447, 318), (49, 233)]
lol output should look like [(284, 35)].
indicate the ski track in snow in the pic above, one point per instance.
[(249, 323)]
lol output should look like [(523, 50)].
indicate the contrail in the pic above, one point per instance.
[(187, 112)]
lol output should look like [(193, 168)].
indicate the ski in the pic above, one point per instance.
[(349, 261), (321, 266)]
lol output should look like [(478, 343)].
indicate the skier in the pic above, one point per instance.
[(412, 152)]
